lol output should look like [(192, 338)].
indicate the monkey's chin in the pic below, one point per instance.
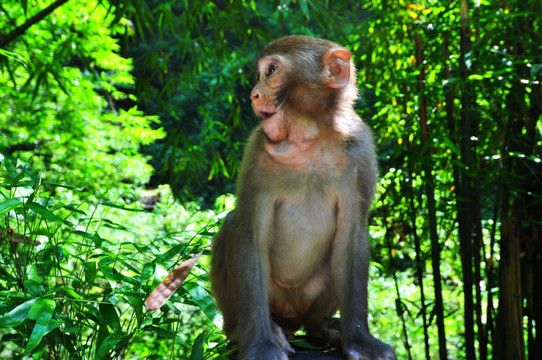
[(274, 128), (271, 141)]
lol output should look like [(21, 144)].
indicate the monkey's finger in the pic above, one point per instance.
[(167, 287)]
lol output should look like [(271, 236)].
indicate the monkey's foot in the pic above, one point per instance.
[(264, 351), (372, 349), (281, 340)]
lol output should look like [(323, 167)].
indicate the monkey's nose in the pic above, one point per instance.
[(255, 94)]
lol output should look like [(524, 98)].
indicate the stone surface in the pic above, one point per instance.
[(317, 355), (306, 349)]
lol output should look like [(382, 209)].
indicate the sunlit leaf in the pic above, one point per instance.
[(9, 205), (202, 298), (46, 213)]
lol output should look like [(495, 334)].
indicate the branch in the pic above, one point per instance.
[(4, 40)]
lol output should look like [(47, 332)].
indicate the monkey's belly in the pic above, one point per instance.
[(300, 253)]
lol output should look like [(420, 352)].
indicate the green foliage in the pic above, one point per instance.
[(75, 274), (57, 99), (195, 71), (78, 254)]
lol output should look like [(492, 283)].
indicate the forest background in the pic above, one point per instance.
[(122, 124)]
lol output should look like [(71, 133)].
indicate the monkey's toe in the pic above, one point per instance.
[(373, 351), (264, 351)]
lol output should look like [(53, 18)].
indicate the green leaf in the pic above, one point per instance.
[(18, 315), (54, 184), (42, 311), (136, 301), (147, 272), (13, 56), (43, 211), (122, 207), (9, 205), (304, 344), (108, 345), (175, 250), (24, 4), (97, 239), (197, 348), (451, 145), (160, 332), (114, 275), (95, 315), (304, 8), (110, 315), (202, 298), (65, 290)]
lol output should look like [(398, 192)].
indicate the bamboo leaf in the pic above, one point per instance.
[(202, 298), (42, 311), (9, 205), (43, 211), (304, 8), (108, 345), (197, 348), (18, 315), (122, 207)]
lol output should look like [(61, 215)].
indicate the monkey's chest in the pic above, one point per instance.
[(303, 229)]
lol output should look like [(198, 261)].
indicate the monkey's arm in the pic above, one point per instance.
[(352, 246), (249, 258)]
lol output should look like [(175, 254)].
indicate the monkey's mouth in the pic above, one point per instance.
[(266, 115)]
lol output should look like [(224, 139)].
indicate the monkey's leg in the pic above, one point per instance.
[(320, 324), (327, 330), (243, 296), (220, 281), (352, 281)]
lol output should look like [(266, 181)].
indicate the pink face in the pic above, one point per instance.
[(270, 70)]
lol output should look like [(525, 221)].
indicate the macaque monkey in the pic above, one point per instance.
[(295, 250)]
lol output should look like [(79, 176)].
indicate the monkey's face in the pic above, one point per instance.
[(271, 73)]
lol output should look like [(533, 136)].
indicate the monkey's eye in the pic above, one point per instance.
[(270, 70)]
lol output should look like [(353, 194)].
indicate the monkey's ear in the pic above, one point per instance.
[(337, 66)]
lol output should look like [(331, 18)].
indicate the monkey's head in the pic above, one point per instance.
[(301, 76)]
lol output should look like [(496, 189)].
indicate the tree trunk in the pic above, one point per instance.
[(509, 342), (465, 205), (427, 166)]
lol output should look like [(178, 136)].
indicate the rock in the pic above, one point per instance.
[(308, 349)]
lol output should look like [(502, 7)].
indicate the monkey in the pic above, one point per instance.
[(295, 249)]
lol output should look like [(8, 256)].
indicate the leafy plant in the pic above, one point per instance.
[(75, 274)]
